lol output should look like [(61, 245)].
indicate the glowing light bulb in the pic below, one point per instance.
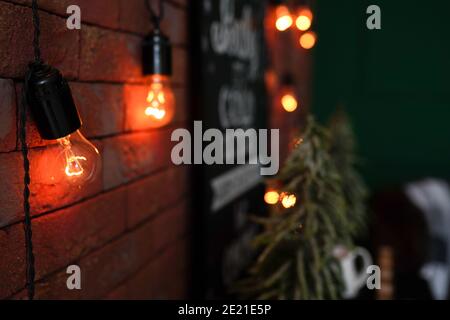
[(271, 197), (71, 160), (283, 18), (78, 158), (304, 19), (288, 200), (160, 102), (308, 40), (289, 102)]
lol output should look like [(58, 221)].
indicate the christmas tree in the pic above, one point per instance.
[(319, 205)]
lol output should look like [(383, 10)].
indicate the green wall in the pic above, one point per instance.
[(394, 83)]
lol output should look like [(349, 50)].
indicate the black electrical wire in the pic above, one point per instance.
[(155, 18), (30, 267)]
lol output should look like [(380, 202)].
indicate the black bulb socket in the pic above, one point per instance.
[(156, 54), (51, 103)]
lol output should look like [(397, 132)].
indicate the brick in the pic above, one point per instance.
[(129, 156), (101, 108), (8, 131), (171, 268), (177, 32), (11, 187), (47, 195), (109, 56), (135, 104), (180, 66), (143, 285), (66, 235), (108, 267), (164, 277), (103, 13), (33, 137), (134, 17), (59, 45), (149, 195), (12, 266), (55, 288), (173, 221)]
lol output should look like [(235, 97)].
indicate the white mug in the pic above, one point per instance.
[(354, 279)]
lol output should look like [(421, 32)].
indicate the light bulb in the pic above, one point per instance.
[(160, 101), (283, 18), (289, 102), (288, 200), (69, 160), (271, 197), (304, 19), (308, 40)]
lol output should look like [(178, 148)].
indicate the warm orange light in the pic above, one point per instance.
[(289, 102), (160, 100), (72, 159), (304, 19), (271, 197), (283, 18), (308, 40), (288, 200)]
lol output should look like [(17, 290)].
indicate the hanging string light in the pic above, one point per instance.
[(271, 196), (73, 158), (304, 19), (288, 200), (308, 40), (283, 18), (303, 22), (287, 96), (157, 69)]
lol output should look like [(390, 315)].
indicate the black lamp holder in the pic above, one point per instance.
[(51, 103), (156, 48), (157, 54)]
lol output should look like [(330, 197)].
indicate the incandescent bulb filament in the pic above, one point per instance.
[(160, 101), (156, 99), (73, 162)]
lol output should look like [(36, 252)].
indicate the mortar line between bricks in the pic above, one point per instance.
[(175, 85), (173, 126), (157, 254), (87, 23), (117, 237), (90, 197)]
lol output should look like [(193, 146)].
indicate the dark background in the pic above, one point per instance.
[(393, 82)]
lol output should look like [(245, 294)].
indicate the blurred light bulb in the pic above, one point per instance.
[(271, 197), (283, 18), (289, 102), (160, 106), (288, 200), (308, 40), (304, 19)]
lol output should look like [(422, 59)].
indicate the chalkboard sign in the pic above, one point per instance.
[(230, 94)]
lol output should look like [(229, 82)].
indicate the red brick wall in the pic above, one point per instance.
[(128, 231)]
